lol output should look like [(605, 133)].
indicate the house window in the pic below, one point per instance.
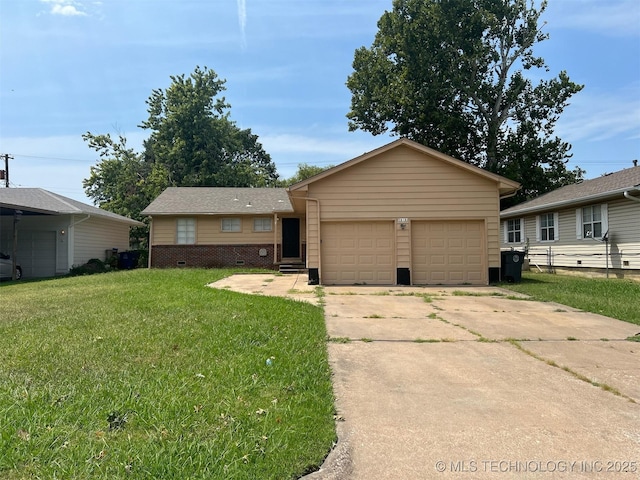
[(514, 230), (186, 231), (592, 222), (547, 227), (231, 224), (262, 224)]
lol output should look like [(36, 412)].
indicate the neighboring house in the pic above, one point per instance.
[(55, 233), (401, 214), (586, 226)]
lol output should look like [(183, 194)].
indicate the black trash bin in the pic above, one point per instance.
[(128, 260), (511, 264)]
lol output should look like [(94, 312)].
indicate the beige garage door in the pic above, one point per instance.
[(358, 253), (448, 253)]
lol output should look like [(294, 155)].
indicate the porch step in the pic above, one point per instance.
[(292, 268)]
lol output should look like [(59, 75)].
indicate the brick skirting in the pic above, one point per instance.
[(212, 256)]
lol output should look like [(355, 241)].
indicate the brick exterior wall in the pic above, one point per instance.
[(212, 256)]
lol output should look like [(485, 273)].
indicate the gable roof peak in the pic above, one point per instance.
[(505, 185)]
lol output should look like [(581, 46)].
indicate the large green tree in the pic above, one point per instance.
[(192, 142), (194, 139), (452, 74)]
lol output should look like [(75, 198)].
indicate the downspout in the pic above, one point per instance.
[(275, 238), (631, 197), (150, 242), (319, 237)]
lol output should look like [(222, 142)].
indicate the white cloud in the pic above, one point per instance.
[(595, 116), (67, 8), (613, 17), (242, 20), (339, 149)]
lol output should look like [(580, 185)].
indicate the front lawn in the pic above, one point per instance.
[(150, 374), (611, 297)]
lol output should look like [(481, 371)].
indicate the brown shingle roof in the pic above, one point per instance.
[(611, 185), (219, 200)]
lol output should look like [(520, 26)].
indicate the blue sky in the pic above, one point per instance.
[(71, 66)]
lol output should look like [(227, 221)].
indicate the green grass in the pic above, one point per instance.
[(151, 374), (616, 298)]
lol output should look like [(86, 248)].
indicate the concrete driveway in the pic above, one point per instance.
[(471, 383)]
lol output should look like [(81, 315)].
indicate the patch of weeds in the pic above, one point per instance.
[(579, 376), (366, 339), (448, 340), (436, 307), (515, 297), (339, 339), (604, 339), (381, 294), (319, 292), (462, 293), (269, 280), (572, 339), (374, 315), (432, 315), (634, 338), (472, 332), (482, 339), (559, 310)]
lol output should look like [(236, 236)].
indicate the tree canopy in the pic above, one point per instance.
[(192, 142), (452, 75), (194, 139), (304, 171)]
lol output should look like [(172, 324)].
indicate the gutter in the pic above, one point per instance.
[(631, 197), (319, 237), (565, 203)]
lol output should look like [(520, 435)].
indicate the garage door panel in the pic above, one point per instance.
[(448, 252), (358, 252)]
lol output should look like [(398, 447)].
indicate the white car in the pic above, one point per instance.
[(6, 267)]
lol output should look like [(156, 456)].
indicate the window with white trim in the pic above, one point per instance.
[(262, 224), (231, 225), (513, 230), (591, 221), (547, 227), (186, 231)]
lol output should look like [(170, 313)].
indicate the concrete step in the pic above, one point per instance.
[(292, 268)]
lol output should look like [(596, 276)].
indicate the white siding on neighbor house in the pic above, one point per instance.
[(621, 217), (94, 236)]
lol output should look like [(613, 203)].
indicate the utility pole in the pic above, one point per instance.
[(4, 174)]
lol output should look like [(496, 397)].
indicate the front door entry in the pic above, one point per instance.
[(290, 238)]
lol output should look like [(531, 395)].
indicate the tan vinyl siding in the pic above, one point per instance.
[(209, 230), (405, 183), (403, 245), (93, 236), (313, 235), (164, 230)]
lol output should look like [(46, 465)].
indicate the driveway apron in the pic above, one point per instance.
[(467, 383)]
